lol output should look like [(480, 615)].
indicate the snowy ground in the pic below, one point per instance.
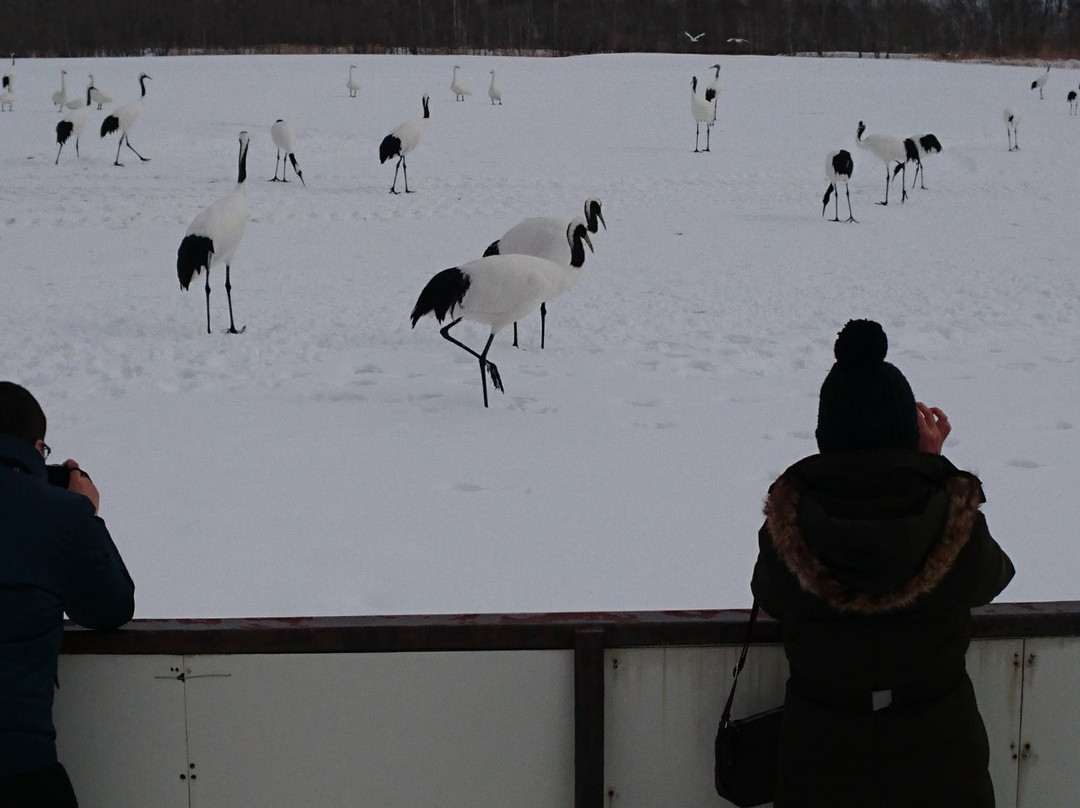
[(332, 460)]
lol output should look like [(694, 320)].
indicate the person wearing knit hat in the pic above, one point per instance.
[(872, 554)]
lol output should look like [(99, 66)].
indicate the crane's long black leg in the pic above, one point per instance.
[(76, 147), (850, 215), (405, 174), (393, 188), (496, 379), (708, 136), (903, 183), (58, 154), (887, 180), (208, 299), (697, 135), (515, 335), (543, 323), (278, 158), (127, 140), (117, 162), (228, 294)]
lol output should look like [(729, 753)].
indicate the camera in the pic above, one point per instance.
[(59, 475)]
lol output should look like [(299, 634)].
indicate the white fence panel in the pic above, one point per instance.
[(395, 730), (120, 730), (1050, 734)]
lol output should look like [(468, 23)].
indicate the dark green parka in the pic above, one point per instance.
[(872, 561)]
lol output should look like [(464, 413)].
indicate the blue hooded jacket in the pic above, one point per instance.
[(56, 556)]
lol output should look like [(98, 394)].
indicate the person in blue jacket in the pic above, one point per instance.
[(56, 557)]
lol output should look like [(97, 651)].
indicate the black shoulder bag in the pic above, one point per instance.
[(747, 749)]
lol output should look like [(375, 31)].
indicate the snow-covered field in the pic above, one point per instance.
[(332, 460)]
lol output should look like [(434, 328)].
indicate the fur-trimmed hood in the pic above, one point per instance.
[(869, 532)]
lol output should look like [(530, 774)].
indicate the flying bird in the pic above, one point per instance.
[(403, 140), (692, 37), (124, 119), (214, 235)]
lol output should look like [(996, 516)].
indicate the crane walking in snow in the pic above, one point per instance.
[(214, 235), (495, 290), (72, 124), (403, 140), (124, 119)]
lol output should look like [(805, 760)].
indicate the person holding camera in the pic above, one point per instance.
[(56, 557), (872, 555)]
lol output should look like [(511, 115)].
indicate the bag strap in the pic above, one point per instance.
[(726, 716)]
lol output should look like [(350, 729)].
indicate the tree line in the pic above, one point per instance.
[(961, 28)]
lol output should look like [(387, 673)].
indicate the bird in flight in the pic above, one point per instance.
[(737, 40), (693, 38)]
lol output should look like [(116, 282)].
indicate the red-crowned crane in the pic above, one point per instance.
[(1040, 82), (124, 119), (888, 149), (547, 237), (1012, 122), (214, 235), (72, 124), (838, 168), (495, 290), (403, 140), (704, 112), (283, 133)]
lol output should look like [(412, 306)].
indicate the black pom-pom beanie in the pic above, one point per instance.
[(865, 402)]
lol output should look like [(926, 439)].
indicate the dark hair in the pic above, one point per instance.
[(20, 413)]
